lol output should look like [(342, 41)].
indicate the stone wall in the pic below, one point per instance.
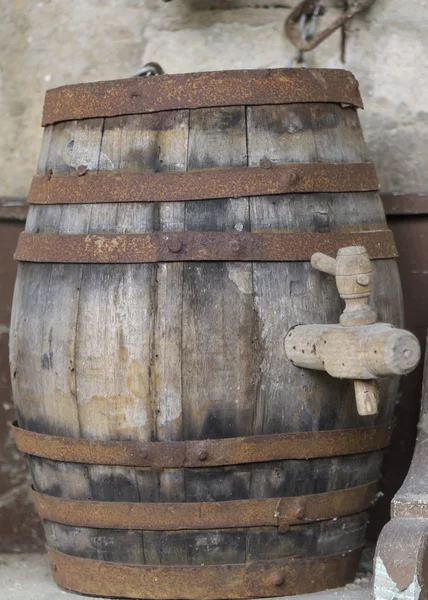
[(50, 43)]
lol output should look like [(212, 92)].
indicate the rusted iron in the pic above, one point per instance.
[(176, 516), (265, 163), (179, 246), (204, 453), (280, 577), (199, 90), (80, 171), (307, 8), (205, 184)]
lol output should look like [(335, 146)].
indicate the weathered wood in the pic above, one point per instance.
[(194, 351), (363, 352), (367, 396), (47, 403), (290, 398), (354, 281), (217, 329), (112, 359), (167, 143)]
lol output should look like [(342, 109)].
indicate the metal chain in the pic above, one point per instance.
[(300, 26), (307, 27), (150, 69)]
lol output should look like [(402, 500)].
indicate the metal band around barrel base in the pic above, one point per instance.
[(199, 90), (258, 579), (205, 184), (204, 453), (177, 516), (179, 246)]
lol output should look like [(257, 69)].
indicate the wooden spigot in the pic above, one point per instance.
[(358, 348)]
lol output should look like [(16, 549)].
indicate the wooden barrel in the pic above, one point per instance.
[(175, 451)]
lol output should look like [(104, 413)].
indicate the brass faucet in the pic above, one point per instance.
[(358, 348)]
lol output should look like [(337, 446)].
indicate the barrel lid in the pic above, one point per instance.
[(200, 90)]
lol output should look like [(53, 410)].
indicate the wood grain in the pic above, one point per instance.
[(44, 325)]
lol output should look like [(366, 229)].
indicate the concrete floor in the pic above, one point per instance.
[(27, 577)]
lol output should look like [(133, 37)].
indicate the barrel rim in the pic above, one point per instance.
[(204, 89)]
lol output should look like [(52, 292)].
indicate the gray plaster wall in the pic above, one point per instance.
[(50, 43)]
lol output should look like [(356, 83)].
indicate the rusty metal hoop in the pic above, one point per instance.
[(258, 579), (176, 516), (143, 95), (205, 184), (179, 246), (204, 453)]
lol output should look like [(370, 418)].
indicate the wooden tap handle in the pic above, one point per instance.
[(367, 396), (369, 352), (323, 263), (362, 354), (358, 349), (354, 281)]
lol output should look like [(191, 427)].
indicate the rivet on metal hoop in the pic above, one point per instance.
[(202, 455), (144, 453), (265, 163), (235, 246), (175, 245), (293, 177), (81, 170)]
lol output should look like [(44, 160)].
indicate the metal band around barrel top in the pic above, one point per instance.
[(117, 186), (258, 579), (180, 246), (205, 453), (176, 516), (199, 90)]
